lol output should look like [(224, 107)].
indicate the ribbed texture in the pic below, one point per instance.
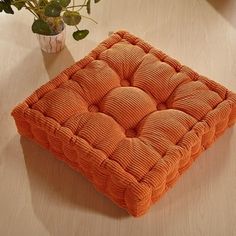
[(128, 117)]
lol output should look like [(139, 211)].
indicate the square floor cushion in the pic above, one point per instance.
[(129, 118)]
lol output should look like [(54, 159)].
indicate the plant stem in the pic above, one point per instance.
[(32, 7), (82, 5), (29, 6), (90, 19), (35, 2), (29, 9), (73, 7), (76, 6), (19, 1)]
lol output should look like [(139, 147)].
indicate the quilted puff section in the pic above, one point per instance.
[(96, 128), (94, 81), (157, 78), (129, 118), (127, 105), (124, 58), (60, 104), (194, 98)]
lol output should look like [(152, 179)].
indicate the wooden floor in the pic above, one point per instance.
[(41, 196)]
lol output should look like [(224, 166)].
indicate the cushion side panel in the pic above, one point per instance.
[(106, 175), (140, 196)]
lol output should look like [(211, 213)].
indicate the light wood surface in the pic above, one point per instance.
[(41, 196)]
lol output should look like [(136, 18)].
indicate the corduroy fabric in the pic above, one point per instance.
[(129, 118)]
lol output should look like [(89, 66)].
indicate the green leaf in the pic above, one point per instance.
[(80, 34), (53, 9), (88, 6), (41, 27), (6, 7), (1, 6), (96, 1), (18, 5), (43, 3), (71, 17), (64, 3)]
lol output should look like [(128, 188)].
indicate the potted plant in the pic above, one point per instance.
[(50, 18)]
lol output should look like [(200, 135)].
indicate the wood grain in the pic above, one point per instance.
[(41, 196)]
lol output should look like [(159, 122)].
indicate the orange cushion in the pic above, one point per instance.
[(128, 117)]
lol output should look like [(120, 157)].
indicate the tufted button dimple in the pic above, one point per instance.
[(162, 58), (124, 83), (161, 106), (93, 108), (131, 133), (177, 69)]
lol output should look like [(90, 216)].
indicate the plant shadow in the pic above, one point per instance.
[(226, 8), (57, 62)]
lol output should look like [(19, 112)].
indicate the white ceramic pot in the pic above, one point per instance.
[(52, 43)]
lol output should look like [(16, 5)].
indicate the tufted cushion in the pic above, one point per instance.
[(128, 117)]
